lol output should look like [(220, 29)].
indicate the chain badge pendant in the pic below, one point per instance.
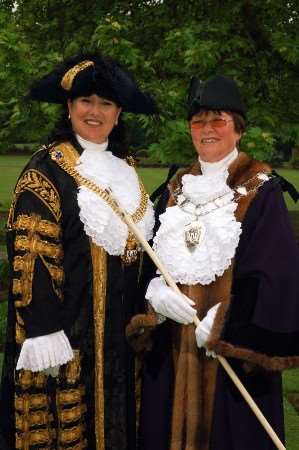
[(194, 234), (131, 251)]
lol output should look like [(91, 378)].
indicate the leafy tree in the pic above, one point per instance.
[(163, 42)]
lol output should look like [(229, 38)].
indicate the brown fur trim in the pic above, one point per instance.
[(194, 169), (267, 362), (139, 330), (243, 168)]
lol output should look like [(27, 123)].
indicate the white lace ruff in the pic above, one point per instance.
[(42, 352), (101, 223), (214, 255)]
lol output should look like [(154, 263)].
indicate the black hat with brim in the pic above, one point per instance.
[(88, 74), (219, 93)]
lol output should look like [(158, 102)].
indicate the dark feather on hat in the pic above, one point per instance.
[(219, 93), (105, 77)]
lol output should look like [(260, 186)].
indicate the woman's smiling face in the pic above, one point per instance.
[(93, 117), (212, 138)]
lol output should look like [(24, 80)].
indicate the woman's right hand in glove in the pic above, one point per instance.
[(165, 301)]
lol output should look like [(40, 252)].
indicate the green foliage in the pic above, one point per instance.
[(163, 44), (174, 143), (258, 143)]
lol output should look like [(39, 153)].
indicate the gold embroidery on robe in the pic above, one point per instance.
[(99, 262), (36, 182), (35, 418), (69, 435), (73, 414), (28, 379), (25, 402), (73, 368), (26, 222), (32, 245), (80, 446), (32, 411), (35, 437), (20, 331), (70, 396), (68, 431)]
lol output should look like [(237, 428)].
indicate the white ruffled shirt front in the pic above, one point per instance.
[(101, 223), (209, 200), (105, 229)]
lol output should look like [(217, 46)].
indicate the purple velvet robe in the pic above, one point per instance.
[(263, 317)]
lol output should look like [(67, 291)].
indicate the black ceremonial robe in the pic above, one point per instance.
[(61, 281), (258, 333)]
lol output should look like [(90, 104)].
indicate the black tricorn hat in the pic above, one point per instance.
[(92, 73), (219, 93)]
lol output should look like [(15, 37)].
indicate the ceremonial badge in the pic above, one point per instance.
[(194, 233), (131, 251)]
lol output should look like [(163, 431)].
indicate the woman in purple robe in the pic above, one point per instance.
[(224, 234)]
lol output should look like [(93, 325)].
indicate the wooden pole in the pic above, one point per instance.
[(226, 366)]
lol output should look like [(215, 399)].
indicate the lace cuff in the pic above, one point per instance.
[(42, 352)]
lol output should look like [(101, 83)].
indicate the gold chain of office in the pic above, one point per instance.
[(131, 251), (58, 157)]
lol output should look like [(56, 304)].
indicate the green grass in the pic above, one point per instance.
[(11, 166), (291, 381), (291, 426), (293, 177), (152, 178), (291, 385)]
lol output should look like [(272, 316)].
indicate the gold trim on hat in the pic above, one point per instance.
[(68, 77)]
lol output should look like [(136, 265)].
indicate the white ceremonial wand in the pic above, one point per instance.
[(169, 280), (107, 195)]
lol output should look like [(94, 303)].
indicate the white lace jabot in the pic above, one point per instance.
[(101, 223), (209, 200)]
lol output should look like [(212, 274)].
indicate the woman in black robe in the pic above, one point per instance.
[(68, 376), (224, 234)]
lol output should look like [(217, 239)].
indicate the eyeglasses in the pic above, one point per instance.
[(215, 123)]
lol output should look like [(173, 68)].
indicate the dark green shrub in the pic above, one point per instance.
[(295, 158)]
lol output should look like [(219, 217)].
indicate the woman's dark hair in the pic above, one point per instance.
[(239, 121), (63, 131)]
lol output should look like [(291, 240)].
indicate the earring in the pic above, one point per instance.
[(116, 122), (69, 116)]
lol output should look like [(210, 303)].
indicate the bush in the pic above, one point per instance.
[(295, 158), (258, 143)]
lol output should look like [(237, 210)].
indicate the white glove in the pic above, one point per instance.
[(203, 330), (168, 303)]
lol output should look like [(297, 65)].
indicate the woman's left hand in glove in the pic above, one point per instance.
[(203, 330)]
